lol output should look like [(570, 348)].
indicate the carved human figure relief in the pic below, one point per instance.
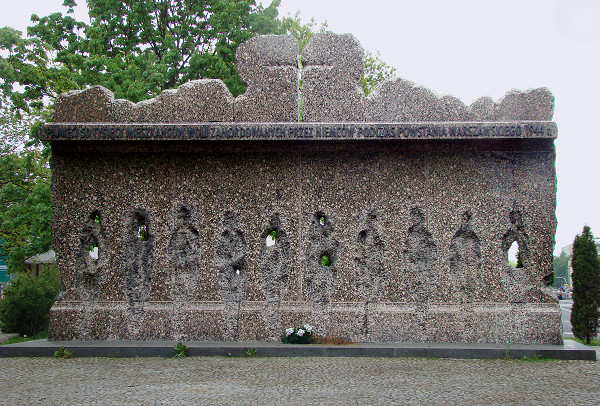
[(274, 269), (369, 272), (465, 261), (231, 261), (320, 278), (420, 253), (275, 261), (184, 250), (232, 273)]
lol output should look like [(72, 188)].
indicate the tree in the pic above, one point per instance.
[(25, 205), (586, 286), (376, 71), (14, 130), (302, 32), (519, 260), (134, 48)]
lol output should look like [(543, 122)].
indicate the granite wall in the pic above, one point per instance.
[(392, 214)]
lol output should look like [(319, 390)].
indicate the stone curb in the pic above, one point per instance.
[(571, 350)]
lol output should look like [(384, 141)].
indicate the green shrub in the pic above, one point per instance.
[(25, 308), (62, 353), (180, 350)]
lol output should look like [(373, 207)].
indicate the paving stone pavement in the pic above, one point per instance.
[(306, 381)]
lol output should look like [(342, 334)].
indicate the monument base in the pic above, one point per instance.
[(498, 323)]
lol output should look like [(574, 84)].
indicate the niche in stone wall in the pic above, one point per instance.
[(320, 278), (514, 256), (92, 256), (516, 280), (138, 256), (369, 261), (184, 252), (465, 262), (420, 253)]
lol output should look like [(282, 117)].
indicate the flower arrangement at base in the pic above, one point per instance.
[(301, 335)]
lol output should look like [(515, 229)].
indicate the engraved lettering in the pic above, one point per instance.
[(301, 131)]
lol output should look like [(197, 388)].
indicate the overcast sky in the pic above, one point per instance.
[(474, 48)]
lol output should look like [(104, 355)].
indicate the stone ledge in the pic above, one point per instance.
[(571, 350), (299, 131)]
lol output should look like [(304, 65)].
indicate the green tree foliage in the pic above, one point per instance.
[(134, 48), (303, 32), (25, 307), (586, 286), (519, 260), (561, 269), (25, 205), (376, 71), (13, 130)]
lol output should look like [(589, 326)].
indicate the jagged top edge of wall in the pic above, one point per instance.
[(331, 92)]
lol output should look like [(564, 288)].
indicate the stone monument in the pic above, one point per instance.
[(197, 216)]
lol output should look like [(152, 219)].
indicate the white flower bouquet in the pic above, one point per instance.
[(300, 335)]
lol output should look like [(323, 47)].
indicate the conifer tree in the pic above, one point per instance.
[(586, 286), (519, 260)]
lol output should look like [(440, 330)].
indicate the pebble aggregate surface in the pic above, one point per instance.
[(285, 381)]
